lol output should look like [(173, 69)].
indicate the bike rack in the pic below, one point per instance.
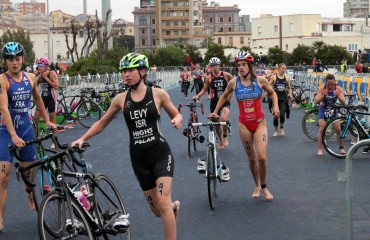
[(347, 177)]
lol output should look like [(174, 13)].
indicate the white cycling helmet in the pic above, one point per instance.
[(214, 61)]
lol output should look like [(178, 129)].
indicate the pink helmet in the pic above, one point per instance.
[(42, 62)]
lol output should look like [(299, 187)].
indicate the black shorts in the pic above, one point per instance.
[(151, 163), (49, 103), (213, 105)]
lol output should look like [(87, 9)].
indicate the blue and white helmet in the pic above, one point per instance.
[(12, 50), (214, 61)]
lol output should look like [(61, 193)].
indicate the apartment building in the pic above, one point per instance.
[(286, 32), (30, 8), (356, 8), (161, 22)]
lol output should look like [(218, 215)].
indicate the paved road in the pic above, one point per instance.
[(309, 202)]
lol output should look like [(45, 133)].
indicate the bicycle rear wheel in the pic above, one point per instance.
[(304, 97), (53, 216), (330, 137), (310, 124), (211, 178), (61, 113), (109, 206), (88, 112)]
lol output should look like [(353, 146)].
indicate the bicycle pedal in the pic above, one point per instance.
[(201, 139)]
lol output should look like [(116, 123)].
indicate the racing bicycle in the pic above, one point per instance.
[(350, 129), (213, 160), (192, 132)]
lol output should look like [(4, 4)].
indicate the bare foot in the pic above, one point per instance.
[(31, 202), (275, 134), (256, 192), (342, 151), (176, 210), (282, 132), (220, 145), (267, 194), (319, 153), (225, 141)]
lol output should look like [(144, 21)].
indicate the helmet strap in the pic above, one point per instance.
[(247, 75)]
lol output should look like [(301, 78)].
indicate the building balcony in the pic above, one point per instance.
[(173, 37), (164, 27)]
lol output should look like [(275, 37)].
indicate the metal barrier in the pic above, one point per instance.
[(346, 176), (168, 80)]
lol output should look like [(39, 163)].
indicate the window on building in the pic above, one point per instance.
[(195, 12), (241, 40), (58, 56), (352, 47), (176, 23), (259, 30), (229, 29), (168, 23), (142, 31), (219, 41), (176, 33), (347, 28), (291, 27), (211, 20), (175, 4), (153, 31), (168, 33), (142, 21), (337, 27), (183, 23), (229, 19), (46, 44), (276, 29), (143, 42), (221, 29), (183, 33), (221, 19), (153, 41), (153, 21)]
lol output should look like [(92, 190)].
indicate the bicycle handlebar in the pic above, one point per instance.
[(351, 108), (192, 105), (209, 124), (67, 151)]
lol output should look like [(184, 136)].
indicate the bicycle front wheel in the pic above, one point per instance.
[(88, 112), (109, 206), (346, 137), (54, 219), (211, 177), (310, 124)]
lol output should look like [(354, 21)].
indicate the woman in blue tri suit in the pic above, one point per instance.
[(327, 95), (16, 89)]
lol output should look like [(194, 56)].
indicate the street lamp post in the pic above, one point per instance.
[(48, 26)]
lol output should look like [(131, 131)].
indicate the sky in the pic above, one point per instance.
[(123, 8)]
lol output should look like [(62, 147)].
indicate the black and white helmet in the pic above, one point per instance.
[(214, 61)]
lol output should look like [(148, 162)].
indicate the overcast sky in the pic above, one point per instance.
[(123, 8)]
